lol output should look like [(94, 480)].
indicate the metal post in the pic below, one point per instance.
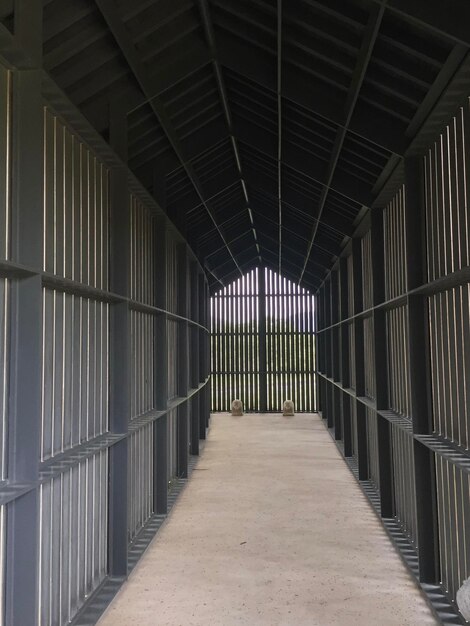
[(202, 356), (120, 351), (207, 364), (329, 342), (202, 322), (183, 362), (335, 309), (335, 354), (337, 421), (384, 437), (26, 316), (263, 382), (344, 357), (194, 353), (347, 426), (362, 455), (161, 370), (419, 365)]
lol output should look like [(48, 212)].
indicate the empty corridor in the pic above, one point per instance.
[(272, 529)]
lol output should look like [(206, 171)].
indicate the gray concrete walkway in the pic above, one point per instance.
[(271, 530)]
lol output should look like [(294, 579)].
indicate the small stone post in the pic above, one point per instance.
[(237, 408), (288, 409)]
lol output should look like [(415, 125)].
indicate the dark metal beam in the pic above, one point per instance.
[(130, 53), (210, 36), (300, 161), (448, 19), (449, 68), (217, 279), (288, 230), (307, 215), (314, 97), (368, 42), (243, 234), (279, 124), (296, 252)]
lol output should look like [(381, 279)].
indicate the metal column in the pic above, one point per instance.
[(183, 362), (161, 369), (120, 350), (419, 359), (263, 382), (26, 342)]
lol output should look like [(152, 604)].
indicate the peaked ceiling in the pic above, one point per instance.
[(263, 127)]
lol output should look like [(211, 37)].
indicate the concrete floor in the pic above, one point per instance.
[(272, 529)]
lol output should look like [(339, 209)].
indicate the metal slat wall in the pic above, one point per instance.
[(172, 444), (235, 364), (399, 402), (373, 448), (403, 487), (447, 236), (172, 356), (290, 351), (453, 489), (172, 325), (368, 322), (141, 470), (87, 290), (75, 405), (236, 334), (140, 479), (394, 389), (73, 543), (397, 361)]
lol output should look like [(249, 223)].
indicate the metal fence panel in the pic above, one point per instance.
[(75, 371), (397, 360), (73, 538), (262, 343), (141, 476)]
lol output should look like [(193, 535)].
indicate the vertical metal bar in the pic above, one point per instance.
[(362, 453), (246, 363), (25, 359), (263, 384), (161, 439), (183, 361), (419, 364), (119, 348), (203, 339), (337, 413), (344, 338), (358, 324), (195, 348), (347, 425), (384, 444)]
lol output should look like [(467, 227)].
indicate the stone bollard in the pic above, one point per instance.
[(237, 408), (288, 409)]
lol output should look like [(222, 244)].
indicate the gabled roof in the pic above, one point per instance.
[(268, 124)]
